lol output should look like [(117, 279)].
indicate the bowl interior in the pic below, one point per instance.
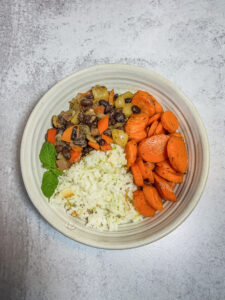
[(121, 78)]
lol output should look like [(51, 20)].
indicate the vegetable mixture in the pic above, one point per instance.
[(155, 152)]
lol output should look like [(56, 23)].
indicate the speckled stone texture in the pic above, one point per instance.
[(44, 41)]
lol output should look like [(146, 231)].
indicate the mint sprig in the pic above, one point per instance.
[(50, 178)]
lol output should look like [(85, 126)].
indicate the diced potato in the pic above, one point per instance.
[(100, 93), (127, 95), (127, 110), (75, 119), (119, 102), (119, 137)]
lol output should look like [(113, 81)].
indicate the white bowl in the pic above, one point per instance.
[(122, 78)]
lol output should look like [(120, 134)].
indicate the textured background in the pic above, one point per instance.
[(44, 41)]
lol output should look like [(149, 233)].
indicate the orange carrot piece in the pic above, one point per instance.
[(172, 185), (177, 154), (169, 121), (138, 136), (159, 129), (94, 145), (158, 107), (136, 123), (99, 109), (144, 101), (141, 205), (138, 179), (131, 152), (107, 139), (164, 188), (76, 148), (152, 197), (155, 117), (170, 176), (148, 172), (153, 149), (66, 136), (103, 124), (141, 166), (152, 128), (176, 134), (105, 148), (51, 135), (75, 156), (111, 97)]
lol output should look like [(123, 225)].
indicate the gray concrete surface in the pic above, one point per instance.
[(44, 41)]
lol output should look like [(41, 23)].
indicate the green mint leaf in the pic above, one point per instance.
[(49, 183), (48, 155), (57, 172)]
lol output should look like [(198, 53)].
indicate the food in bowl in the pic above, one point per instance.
[(112, 158)]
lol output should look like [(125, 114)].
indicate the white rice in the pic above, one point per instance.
[(99, 190)]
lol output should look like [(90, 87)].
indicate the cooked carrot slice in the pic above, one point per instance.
[(111, 97), (164, 188), (176, 134), (148, 172), (153, 128), (138, 179), (141, 205), (136, 123), (153, 149), (75, 156), (165, 165), (177, 154), (138, 136), (169, 121), (107, 138), (66, 136), (51, 135), (105, 148), (141, 166), (170, 176), (158, 107), (155, 117), (172, 185), (94, 145), (131, 152), (152, 197), (159, 129), (99, 109), (103, 124), (144, 101)]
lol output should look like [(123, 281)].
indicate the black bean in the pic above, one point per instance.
[(86, 102), (108, 109), (68, 146), (85, 108), (101, 142), (86, 119), (108, 132), (89, 96), (136, 109), (74, 133), (66, 153), (103, 103), (112, 121), (58, 148), (116, 96), (128, 100), (61, 120), (98, 138), (81, 117), (119, 117)]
